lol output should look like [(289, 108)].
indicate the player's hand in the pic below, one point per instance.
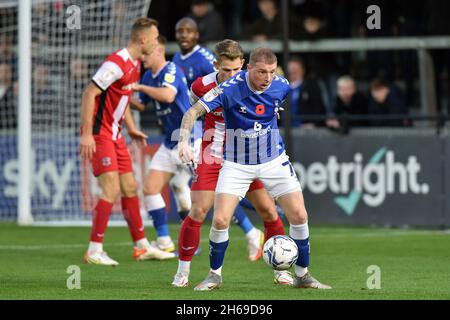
[(136, 86), (185, 152), (87, 146), (280, 109), (139, 136)]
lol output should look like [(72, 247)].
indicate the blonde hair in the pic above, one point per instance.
[(229, 49), (265, 55), (141, 24)]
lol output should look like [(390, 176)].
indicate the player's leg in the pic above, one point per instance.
[(266, 209), (105, 168), (189, 235), (224, 207), (234, 181), (273, 225), (131, 212), (281, 181), (162, 169), (294, 208), (154, 183), (255, 237), (180, 182), (110, 186), (182, 193)]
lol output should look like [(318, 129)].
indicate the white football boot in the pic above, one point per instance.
[(99, 258)]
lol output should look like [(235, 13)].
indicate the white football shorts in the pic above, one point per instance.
[(168, 160), (277, 175)]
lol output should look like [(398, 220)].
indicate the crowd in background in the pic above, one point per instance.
[(324, 84)]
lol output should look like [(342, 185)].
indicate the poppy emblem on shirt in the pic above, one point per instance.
[(260, 109)]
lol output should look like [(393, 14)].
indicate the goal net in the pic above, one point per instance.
[(68, 44)]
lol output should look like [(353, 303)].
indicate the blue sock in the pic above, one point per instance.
[(217, 254), (160, 221), (242, 220), (303, 252), (247, 204)]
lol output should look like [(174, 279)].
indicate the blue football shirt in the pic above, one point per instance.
[(169, 114), (197, 63), (252, 135)]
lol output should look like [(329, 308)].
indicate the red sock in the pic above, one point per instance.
[(100, 218), (132, 214), (273, 228), (189, 238)]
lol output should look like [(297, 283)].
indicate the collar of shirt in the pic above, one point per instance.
[(187, 55)]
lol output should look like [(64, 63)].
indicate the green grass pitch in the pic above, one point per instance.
[(414, 264)]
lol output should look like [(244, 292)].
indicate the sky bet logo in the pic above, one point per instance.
[(354, 181)]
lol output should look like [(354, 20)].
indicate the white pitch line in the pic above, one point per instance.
[(312, 236)]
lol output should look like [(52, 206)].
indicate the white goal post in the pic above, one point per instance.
[(55, 47)]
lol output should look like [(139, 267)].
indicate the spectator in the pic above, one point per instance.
[(210, 23), (306, 97), (380, 63), (8, 100), (349, 102), (269, 25), (46, 100), (387, 99), (322, 64)]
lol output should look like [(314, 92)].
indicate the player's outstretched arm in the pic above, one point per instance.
[(87, 142), (189, 118), (163, 95)]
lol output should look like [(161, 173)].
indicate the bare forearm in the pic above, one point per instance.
[(164, 95), (189, 118), (87, 112)]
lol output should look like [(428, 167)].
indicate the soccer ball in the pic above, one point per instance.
[(280, 252)]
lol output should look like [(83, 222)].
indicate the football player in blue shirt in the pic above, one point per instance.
[(251, 101), (194, 60), (165, 83), (197, 61)]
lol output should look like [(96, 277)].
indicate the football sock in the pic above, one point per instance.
[(184, 267), (273, 228), (95, 246), (246, 204), (189, 238), (218, 242), (157, 210), (252, 233), (132, 214), (300, 234), (143, 243), (242, 220), (100, 219)]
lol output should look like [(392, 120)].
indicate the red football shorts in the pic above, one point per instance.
[(208, 174), (111, 156)]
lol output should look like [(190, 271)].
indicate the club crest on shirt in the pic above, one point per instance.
[(169, 78), (106, 161), (212, 94)]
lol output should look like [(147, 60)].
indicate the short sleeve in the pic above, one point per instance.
[(107, 74), (172, 80), (213, 99)]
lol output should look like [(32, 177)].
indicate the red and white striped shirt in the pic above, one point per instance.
[(214, 129), (115, 78)]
